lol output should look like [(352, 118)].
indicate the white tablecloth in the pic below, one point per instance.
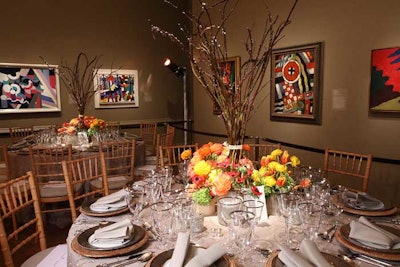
[(273, 232)]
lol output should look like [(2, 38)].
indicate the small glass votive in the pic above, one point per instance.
[(197, 223)]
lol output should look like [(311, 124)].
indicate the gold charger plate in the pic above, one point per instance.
[(274, 261), (85, 209), (80, 244), (160, 259), (342, 236)]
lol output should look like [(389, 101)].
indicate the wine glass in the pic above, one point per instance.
[(287, 204), (241, 226), (134, 198), (162, 215)]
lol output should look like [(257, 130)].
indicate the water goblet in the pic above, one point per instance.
[(225, 206), (134, 198), (310, 216), (287, 204), (241, 226), (256, 206), (162, 217)]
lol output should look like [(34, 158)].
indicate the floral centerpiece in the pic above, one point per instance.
[(274, 173), (214, 173), (90, 124)]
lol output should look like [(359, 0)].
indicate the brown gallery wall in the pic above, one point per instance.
[(349, 31)]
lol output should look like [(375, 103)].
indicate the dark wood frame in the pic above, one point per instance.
[(296, 71)]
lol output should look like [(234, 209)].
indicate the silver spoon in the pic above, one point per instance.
[(149, 227), (145, 257)]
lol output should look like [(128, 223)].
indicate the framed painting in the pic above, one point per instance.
[(230, 69), (116, 88), (384, 95), (29, 88), (296, 84)]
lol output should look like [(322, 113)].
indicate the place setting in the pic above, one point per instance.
[(361, 203), (110, 205), (368, 237), (110, 239)]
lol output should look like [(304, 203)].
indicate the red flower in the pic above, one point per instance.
[(255, 191)]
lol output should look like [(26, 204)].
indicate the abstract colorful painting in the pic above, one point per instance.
[(29, 88), (385, 80), (295, 86), (116, 88)]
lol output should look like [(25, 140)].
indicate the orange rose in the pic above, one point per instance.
[(265, 160), (204, 151), (305, 183), (246, 147), (221, 185), (186, 154), (216, 148)]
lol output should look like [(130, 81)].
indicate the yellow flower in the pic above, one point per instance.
[(269, 181), (277, 166), (295, 161), (275, 153), (202, 168), (256, 176)]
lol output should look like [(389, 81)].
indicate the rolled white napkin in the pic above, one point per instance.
[(207, 257), (311, 252), (181, 247), (292, 258), (372, 235), (112, 201), (112, 235)]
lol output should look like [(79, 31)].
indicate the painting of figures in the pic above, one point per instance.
[(116, 89), (29, 88)]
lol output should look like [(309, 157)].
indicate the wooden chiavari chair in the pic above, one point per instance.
[(81, 172), (48, 174), (148, 131), (119, 159), (19, 133), (342, 166), (19, 195)]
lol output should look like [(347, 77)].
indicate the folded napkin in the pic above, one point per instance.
[(311, 252), (112, 235), (113, 201), (363, 201), (292, 258), (206, 257), (181, 247), (372, 235)]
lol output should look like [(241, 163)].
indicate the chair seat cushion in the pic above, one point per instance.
[(56, 190), (115, 182)]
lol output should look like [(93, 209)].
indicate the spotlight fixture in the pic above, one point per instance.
[(180, 72), (177, 70)]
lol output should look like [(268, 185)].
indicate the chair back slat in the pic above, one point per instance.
[(171, 155)]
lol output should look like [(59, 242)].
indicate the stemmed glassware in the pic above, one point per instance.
[(134, 198), (287, 204), (162, 215), (241, 226)]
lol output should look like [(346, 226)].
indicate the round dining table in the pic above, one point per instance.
[(266, 236)]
